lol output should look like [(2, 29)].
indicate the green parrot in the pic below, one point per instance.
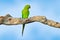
[(25, 14)]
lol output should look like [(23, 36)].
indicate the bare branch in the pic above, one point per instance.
[(9, 20)]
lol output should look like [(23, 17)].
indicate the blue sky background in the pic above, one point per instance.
[(33, 31)]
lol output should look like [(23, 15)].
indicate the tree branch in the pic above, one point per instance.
[(9, 20)]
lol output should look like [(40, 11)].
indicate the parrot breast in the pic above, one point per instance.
[(25, 14)]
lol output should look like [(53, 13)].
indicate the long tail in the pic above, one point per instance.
[(23, 29)]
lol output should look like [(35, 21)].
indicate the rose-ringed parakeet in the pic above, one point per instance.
[(25, 14)]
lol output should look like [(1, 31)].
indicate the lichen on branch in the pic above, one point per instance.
[(9, 20)]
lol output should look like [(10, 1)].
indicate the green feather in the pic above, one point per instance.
[(23, 29), (25, 14)]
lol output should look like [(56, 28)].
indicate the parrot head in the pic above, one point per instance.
[(27, 6)]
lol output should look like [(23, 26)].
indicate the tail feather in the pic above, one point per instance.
[(23, 29)]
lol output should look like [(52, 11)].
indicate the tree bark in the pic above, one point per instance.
[(9, 20)]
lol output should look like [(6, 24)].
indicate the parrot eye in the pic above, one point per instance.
[(29, 7)]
